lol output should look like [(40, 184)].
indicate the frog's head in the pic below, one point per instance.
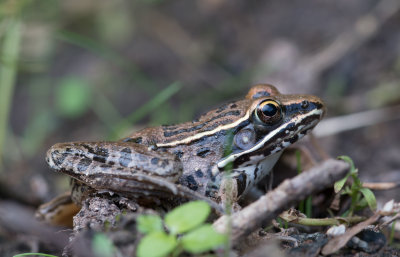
[(272, 122)]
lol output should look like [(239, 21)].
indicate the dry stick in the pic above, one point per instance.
[(306, 71), (335, 125), (285, 195), (365, 28), (17, 218), (381, 185), (336, 243)]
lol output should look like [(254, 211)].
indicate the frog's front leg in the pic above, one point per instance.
[(131, 169)]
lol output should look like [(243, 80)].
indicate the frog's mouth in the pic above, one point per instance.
[(276, 141)]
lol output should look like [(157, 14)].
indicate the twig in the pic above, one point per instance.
[(305, 70), (299, 218), (338, 242), (339, 124), (381, 185), (364, 29), (384, 224), (286, 194), (16, 218)]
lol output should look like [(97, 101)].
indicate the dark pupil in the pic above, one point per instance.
[(269, 110)]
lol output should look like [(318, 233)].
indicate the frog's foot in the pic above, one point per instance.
[(59, 211)]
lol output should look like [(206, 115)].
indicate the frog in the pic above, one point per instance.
[(238, 142)]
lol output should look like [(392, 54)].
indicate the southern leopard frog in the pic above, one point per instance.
[(244, 138)]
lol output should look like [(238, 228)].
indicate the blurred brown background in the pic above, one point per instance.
[(97, 69)]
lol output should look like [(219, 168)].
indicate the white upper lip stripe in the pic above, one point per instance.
[(233, 157)]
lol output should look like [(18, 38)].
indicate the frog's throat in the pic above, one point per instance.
[(300, 126)]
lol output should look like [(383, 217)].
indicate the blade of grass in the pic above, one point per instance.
[(305, 206), (8, 69), (148, 107), (108, 113), (298, 168), (105, 52)]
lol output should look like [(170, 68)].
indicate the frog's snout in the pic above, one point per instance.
[(55, 158)]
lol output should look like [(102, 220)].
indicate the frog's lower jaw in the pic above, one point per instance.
[(243, 178), (247, 177)]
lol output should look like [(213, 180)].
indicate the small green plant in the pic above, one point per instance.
[(361, 197), (185, 231), (305, 206), (102, 246)]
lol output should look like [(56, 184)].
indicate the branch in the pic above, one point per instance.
[(17, 218), (285, 195)]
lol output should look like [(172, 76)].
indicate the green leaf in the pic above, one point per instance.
[(73, 97), (202, 239), (353, 171), (156, 244), (149, 223), (102, 246), (339, 184), (349, 161), (369, 197), (187, 216)]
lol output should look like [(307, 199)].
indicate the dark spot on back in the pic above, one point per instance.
[(191, 183), (154, 161), (137, 140), (126, 157), (100, 151), (164, 163), (233, 106), (221, 108), (105, 166), (88, 147), (178, 154), (203, 152), (199, 173), (99, 159), (84, 164), (210, 175)]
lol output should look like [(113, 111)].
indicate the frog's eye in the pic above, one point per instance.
[(268, 111)]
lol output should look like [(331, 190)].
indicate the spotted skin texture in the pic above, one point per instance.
[(195, 154)]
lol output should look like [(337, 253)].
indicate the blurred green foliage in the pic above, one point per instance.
[(8, 65), (73, 97), (102, 246)]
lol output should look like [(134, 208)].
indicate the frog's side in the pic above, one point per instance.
[(245, 137)]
